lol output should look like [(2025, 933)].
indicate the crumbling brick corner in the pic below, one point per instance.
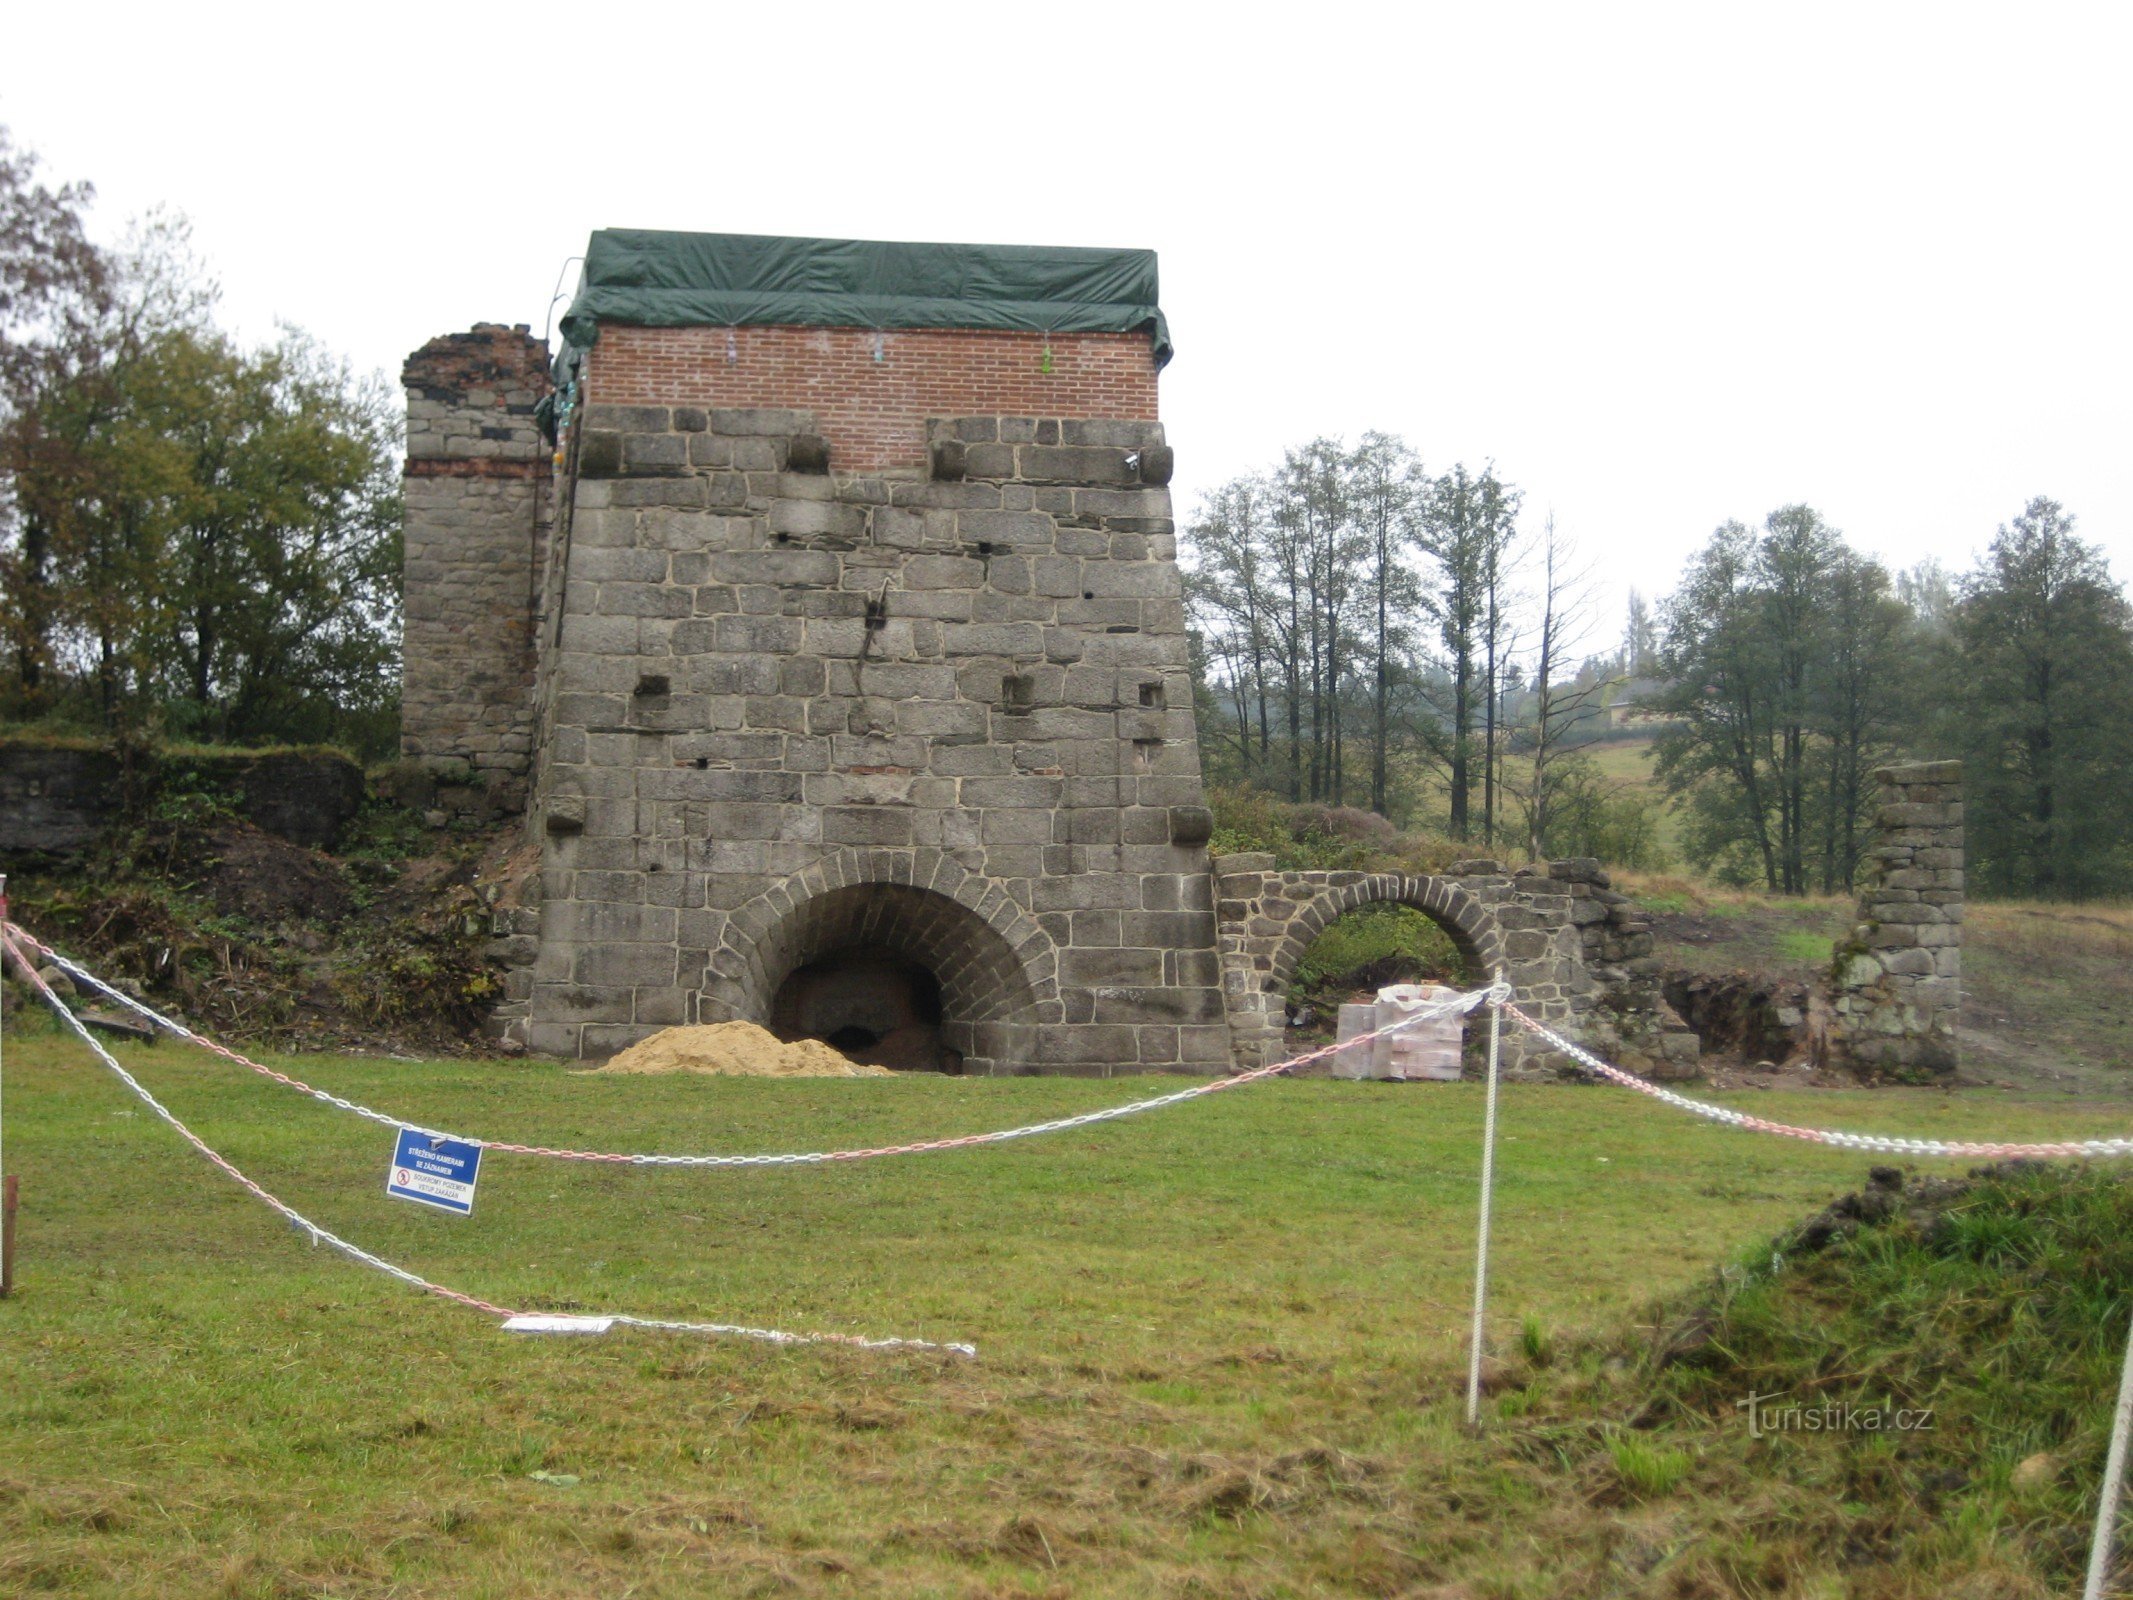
[(477, 486)]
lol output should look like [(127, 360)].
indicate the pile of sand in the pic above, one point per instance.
[(737, 1049)]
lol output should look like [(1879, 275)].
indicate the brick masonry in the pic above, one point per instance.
[(477, 486), (871, 392), (1896, 984)]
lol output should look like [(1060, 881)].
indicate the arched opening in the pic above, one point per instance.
[(1381, 929), (1362, 951), (870, 1003), (895, 975)]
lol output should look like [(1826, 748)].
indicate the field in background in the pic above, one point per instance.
[(2047, 996), (1624, 763), (1221, 1346)]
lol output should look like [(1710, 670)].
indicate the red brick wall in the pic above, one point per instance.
[(874, 412)]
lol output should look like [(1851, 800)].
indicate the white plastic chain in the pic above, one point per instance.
[(356, 1253), (1878, 1143), (1460, 1003)]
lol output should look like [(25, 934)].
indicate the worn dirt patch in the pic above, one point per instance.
[(253, 874), (738, 1049), (1748, 1015)]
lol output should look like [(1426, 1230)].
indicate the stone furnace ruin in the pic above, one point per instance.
[(821, 613)]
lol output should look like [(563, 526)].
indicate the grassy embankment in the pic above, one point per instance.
[(1220, 1347)]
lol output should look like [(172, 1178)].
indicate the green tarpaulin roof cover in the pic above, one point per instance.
[(667, 280)]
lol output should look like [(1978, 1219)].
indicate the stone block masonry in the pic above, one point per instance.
[(796, 714), (477, 492), (852, 677), (1896, 984), (869, 392), (1577, 954)]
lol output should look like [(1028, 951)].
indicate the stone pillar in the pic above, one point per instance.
[(477, 496), (1896, 987)]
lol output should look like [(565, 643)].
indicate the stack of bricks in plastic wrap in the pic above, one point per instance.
[(1425, 1050)]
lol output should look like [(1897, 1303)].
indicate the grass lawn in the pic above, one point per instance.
[(1220, 1346)]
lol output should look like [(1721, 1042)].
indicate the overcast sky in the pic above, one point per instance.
[(1665, 266)]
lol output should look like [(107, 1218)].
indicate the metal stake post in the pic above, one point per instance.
[(7, 1179), (1488, 1184), (2114, 1478)]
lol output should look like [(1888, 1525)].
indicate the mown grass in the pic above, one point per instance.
[(2054, 974), (1220, 1346)]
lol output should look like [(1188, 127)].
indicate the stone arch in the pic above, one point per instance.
[(1472, 928), (997, 969)]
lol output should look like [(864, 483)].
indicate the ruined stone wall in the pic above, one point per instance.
[(1621, 1010), (1896, 989), (793, 709), (1576, 953), (476, 485), (869, 391)]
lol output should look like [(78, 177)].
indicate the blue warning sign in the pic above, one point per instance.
[(434, 1171)]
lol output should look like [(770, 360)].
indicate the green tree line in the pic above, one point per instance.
[(198, 538), (1369, 633), (1795, 665)]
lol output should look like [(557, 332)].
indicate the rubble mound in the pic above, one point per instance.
[(738, 1049)]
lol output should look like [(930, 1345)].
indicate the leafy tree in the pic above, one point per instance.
[(191, 533), (1304, 590), (1589, 816), (1321, 550), (1927, 592), (1640, 638), (285, 550), (2041, 691), (1787, 655), (53, 293), (1230, 590), (1864, 700), (1745, 639)]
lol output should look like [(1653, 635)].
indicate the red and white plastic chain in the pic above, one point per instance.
[(362, 1257), (1997, 1150), (1462, 1003)]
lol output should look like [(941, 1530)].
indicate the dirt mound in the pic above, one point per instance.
[(251, 873), (737, 1049)]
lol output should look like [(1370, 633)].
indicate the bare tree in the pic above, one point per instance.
[(1560, 709), (1231, 587)]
